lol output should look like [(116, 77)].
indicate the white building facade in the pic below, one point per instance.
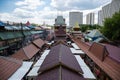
[(90, 17), (75, 17), (108, 11)]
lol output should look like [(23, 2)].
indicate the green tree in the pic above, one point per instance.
[(111, 27), (85, 27), (33, 24)]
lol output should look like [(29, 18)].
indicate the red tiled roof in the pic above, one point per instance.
[(68, 75), (26, 53), (52, 74), (98, 50), (39, 42), (60, 55), (109, 66), (20, 54), (60, 64), (8, 66)]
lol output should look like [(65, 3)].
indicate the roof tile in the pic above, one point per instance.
[(114, 52), (8, 66), (60, 73), (39, 42), (26, 53), (98, 50)]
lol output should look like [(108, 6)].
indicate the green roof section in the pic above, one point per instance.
[(10, 35), (36, 32), (7, 35), (26, 33), (60, 20), (4, 47), (18, 34)]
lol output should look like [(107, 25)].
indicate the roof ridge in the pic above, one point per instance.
[(60, 61), (25, 53), (38, 40), (35, 45), (60, 53)]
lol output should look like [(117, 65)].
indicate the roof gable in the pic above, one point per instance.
[(26, 53), (20, 54), (98, 50), (60, 73), (94, 33), (62, 57), (60, 20), (60, 64), (39, 43), (30, 50)]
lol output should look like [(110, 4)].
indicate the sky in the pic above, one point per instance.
[(45, 11)]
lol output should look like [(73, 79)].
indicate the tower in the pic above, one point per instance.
[(60, 28)]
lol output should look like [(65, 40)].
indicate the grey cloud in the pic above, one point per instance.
[(21, 13), (78, 4)]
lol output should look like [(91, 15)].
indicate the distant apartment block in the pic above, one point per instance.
[(100, 18), (90, 19), (108, 10), (75, 17)]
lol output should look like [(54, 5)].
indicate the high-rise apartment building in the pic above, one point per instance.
[(75, 17), (90, 18), (108, 10)]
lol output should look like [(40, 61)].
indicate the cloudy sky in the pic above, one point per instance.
[(39, 11)]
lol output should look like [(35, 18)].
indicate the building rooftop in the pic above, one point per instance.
[(114, 52), (2, 24), (39, 43), (104, 57), (8, 66), (59, 20), (26, 53), (22, 71), (62, 55), (64, 63), (99, 51)]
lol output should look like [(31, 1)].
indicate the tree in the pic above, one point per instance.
[(111, 27), (33, 24), (85, 27)]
